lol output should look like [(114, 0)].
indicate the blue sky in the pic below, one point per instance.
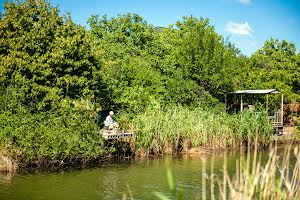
[(249, 23)]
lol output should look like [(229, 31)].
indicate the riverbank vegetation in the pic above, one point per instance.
[(181, 129), (168, 83), (58, 139), (50, 140)]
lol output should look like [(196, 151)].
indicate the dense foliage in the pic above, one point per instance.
[(48, 61), (45, 58), (49, 65), (47, 136), (185, 64)]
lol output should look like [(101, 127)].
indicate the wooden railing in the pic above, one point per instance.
[(276, 119), (115, 134)]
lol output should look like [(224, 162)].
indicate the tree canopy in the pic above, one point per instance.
[(48, 61), (45, 58)]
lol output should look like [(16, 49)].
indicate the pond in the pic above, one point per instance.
[(139, 178)]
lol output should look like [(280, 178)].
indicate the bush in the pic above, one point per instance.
[(50, 136)]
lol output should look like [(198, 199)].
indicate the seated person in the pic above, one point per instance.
[(109, 122)]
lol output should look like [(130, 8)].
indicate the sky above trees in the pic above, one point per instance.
[(248, 23)]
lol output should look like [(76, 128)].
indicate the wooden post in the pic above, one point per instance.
[(282, 109), (241, 102), (267, 102)]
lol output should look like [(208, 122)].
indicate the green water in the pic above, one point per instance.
[(140, 178)]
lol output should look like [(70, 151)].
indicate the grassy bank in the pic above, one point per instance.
[(181, 129)]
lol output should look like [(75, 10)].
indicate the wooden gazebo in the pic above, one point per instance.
[(277, 118)]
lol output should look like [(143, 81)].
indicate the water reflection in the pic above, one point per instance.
[(137, 178), (6, 178)]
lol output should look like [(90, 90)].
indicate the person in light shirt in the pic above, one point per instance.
[(109, 122)]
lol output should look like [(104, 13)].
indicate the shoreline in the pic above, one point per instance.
[(10, 165)]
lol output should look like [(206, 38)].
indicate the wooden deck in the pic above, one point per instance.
[(113, 134)]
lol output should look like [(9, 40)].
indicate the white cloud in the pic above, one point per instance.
[(244, 2), (239, 28)]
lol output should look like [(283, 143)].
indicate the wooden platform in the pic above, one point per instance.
[(115, 134)]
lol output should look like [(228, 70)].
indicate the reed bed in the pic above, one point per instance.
[(182, 128)]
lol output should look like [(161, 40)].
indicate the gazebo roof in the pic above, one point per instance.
[(267, 91)]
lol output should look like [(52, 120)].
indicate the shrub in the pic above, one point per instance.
[(50, 136)]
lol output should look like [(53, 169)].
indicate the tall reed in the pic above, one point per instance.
[(7, 164), (278, 178), (175, 127)]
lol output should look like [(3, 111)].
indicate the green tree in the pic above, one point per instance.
[(185, 64), (132, 60), (204, 56), (275, 66), (131, 80), (45, 58)]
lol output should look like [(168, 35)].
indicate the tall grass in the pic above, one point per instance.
[(7, 164), (181, 128), (278, 178)]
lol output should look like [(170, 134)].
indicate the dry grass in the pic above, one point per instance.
[(277, 179), (7, 164)]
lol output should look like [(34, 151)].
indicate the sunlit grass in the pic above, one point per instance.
[(173, 128)]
